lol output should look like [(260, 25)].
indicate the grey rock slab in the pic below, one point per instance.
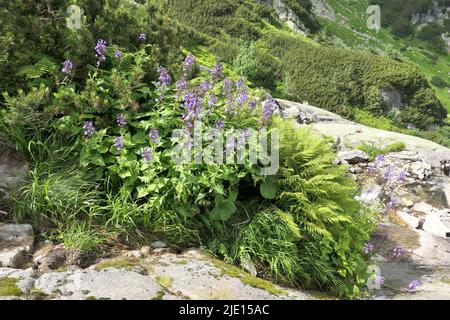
[(196, 276), (109, 283), (353, 156)]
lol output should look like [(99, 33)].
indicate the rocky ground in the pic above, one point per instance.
[(419, 224)]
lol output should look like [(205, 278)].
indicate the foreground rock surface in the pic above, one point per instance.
[(191, 275)]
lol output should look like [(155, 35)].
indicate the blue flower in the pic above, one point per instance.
[(67, 66)]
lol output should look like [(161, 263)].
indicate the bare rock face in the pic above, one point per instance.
[(16, 243), (392, 98)]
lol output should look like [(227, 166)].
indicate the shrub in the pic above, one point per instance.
[(438, 82)]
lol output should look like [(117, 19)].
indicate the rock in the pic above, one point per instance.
[(53, 257), (407, 203), (161, 251), (411, 221), (420, 170), (353, 157), (13, 169), (192, 275), (434, 225), (422, 207), (134, 254), (16, 243), (445, 166), (146, 250), (158, 245)]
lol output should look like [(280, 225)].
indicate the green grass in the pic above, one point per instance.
[(373, 150)]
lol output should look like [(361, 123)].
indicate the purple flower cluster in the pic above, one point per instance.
[(231, 144), (164, 77), (142, 36), (154, 135), (188, 64), (398, 252), (67, 66), (379, 280), (100, 49), (252, 105), (217, 72), (212, 100), (88, 128), (219, 125), (118, 143), (117, 54), (147, 154), (414, 285), (269, 108), (368, 247), (121, 121), (193, 106)]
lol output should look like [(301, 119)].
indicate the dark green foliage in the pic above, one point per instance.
[(35, 39), (332, 78), (438, 82)]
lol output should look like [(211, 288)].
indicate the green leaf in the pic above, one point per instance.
[(268, 190)]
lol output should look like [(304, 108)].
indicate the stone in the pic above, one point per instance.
[(146, 250), (16, 243), (407, 203), (422, 207), (158, 245), (411, 221), (420, 170), (434, 225), (353, 157), (134, 254), (392, 97), (53, 257)]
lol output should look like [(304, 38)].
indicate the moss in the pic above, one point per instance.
[(118, 263), (159, 295), (164, 281), (8, 287), (247, 278), (85, 292), (38, 294), (317, 295), (90, 298), (183, 262)]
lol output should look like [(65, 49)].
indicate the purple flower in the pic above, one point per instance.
[(246, 135), (154, 135), (212, 101), (188, 63), (219, 125), (182, 85), (371, 168), (414, 285), (252, 105), (118, 143), (402, 177), (269, 108), (121, 121), (216, 72), (227, 87), (164, 77), (393, 202), (368, 247), (388, 173), (398, 251), (378, 159), (205, 86), (147, 154), (67, 66), (100, 49), (88, 128), (379, 280), (242, 98), (117, 54), (142, 36), (193, 107), (231, 144)]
